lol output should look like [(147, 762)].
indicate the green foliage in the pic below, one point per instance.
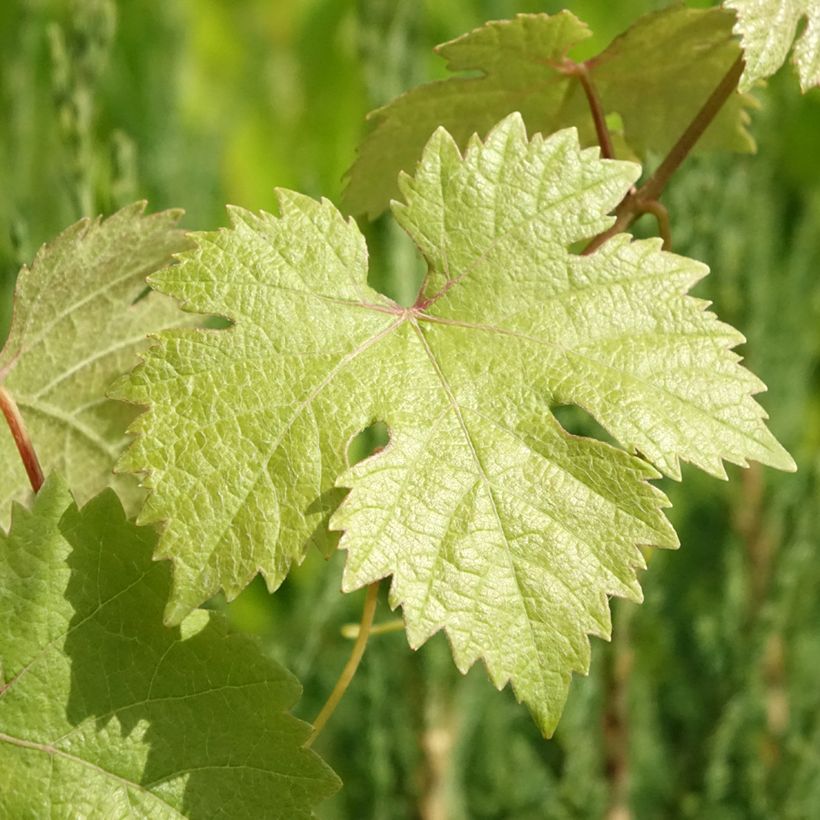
[(78, 322), (106, 712), (705, 703), (767, 29), (479, 488), (523, 67)]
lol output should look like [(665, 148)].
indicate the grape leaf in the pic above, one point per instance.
[(767, 30), (105, 712), (522, 69), (494, 523), (76, 326)]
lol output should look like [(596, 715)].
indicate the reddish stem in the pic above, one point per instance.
[(655, 185), (635, 202), (597, 111), (21, 439)]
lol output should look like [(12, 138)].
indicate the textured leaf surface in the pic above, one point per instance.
[(767, 29), (75, 328), (494, 523), (645, 75), (105, 712)]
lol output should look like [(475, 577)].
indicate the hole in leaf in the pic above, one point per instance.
[(217, 323), (143, 294), (578, 422), (366, 443), (211, 322), (615, 123)]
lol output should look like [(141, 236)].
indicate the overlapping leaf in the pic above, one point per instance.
[(105, 712), (767, 29), (494, 523), (76, 326), (522, 66)]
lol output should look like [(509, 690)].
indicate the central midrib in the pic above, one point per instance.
[(487, 484)]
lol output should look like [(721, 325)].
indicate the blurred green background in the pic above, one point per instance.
[(707, 702)]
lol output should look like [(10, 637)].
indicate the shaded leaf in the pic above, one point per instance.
[(645, 76), (105, 712)]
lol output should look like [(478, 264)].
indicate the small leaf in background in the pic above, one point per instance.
[(520, 64), (77, 323), (106, 712), (494, 522), (767, 30)]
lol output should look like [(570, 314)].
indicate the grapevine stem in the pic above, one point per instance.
[(581, 71), (352, 664), (21, 439), (656, 184), (635, 203)]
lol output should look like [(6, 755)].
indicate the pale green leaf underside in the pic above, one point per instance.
[(519, 61), (493, 522), (75, 328), (105, 712), (767, 29)]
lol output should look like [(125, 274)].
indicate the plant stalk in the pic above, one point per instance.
[(352, 631), (656, 184), (640, 201), (21, 438), (596, 109), (352, 664)]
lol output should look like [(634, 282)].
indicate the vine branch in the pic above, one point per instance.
[(22, 439), (366, 624), (644, 198), (581, 71)]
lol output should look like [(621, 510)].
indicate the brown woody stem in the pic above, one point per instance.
[(640, 201), (581, 71), (656, 184), (21, 439), (352, 664)]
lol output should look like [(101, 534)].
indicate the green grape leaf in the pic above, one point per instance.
[(494, 523), (767, 29), (645, 76), (76, 326), (105, 712)]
